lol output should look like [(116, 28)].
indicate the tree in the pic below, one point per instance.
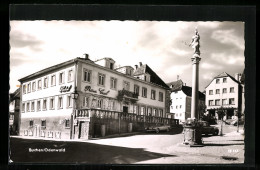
[(201, 110)]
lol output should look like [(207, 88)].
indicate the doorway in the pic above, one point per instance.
[(125, 109)]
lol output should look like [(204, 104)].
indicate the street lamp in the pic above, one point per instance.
[(74, 96)]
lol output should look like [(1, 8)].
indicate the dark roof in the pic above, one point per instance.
[(154, 78), (224, 74), (15, 94), (176, 85), (242, 79), (188, 91)]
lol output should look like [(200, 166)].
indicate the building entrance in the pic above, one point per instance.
[(82, 130), (125, 109)]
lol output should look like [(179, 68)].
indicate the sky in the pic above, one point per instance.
[(35, 45)]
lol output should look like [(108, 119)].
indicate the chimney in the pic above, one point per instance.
[(86, 56), (136, 66), (140, 63), (237, 76)]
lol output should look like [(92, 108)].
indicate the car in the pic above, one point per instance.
[(158, 128), (207, 129), (241, 122)]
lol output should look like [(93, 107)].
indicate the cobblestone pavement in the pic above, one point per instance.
[(230, 145)]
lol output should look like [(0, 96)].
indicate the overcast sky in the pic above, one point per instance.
[(36, 45)]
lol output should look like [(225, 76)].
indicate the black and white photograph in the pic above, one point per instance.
[(127, 92)]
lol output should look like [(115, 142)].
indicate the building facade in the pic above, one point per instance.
[(14, 111), (224, 91), (181, 100), (81, 98)]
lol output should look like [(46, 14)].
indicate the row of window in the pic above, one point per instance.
[(178, 115), (87, 77), (177, 107), (43, 123), (31, 86), (230, 101), (41, 104), (224, 90), (224, 80)]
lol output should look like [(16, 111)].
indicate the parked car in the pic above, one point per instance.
[(158, 128), (241, 122), (207, 129)]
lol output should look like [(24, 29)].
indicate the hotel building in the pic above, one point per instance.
[(81, 99), (224, 91)]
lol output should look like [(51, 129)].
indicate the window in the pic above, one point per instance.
[(69, 101), (67, 123), (161, 96), (180, 114), (210, 92), (142, 110), (217, 102), (39, 84), (160, 113), (38, 105), (224, 102), (111, 66), (217, 91), (176, 114), (52, 103), (180, 106), (87, 75), (232, 89), (224, 80), (113, 82), (33, 86), (44, 105), (217, 81), (60, 102), (155, 113), (43, 123), (153, 92), (210, 102), (28, 87), (24, 89), (149, 112), (101, 79), (136, 89), (61, 77), (224, 90), (28, 107), (23, 107), (135, 109), (53, 80), (86, 102), (231, 101), (100, 103), (126, 85), (176, 107), (144, 92), (32, 106), (45, 82), (70, 75), (31, 123)]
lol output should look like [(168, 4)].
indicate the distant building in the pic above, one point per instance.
[(224, 91), (110, 100), (181, 100), (14, 112)]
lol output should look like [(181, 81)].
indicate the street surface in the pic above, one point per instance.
[(145, 148)]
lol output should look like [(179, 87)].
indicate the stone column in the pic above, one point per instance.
[(195, 85)]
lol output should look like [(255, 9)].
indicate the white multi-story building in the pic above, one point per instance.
[(80, 98), (224, 91), (181, 100)]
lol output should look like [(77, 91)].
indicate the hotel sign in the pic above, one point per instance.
[(65, 88), (101, 91)]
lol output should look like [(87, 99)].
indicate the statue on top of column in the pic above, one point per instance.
[(195, 42)]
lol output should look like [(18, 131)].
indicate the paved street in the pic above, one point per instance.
[(163, 148)]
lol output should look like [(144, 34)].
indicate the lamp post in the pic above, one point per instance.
[(74, 96)]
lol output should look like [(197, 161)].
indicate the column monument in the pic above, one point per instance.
[(192, 129)]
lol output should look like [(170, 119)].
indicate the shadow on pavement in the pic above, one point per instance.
[(77, 152), (221, 144)]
